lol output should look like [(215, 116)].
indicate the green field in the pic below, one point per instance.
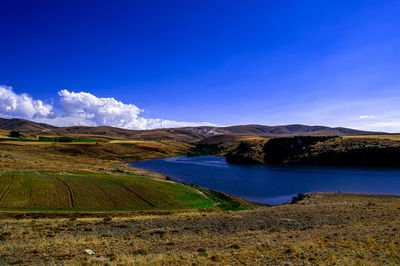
[(86, 191)]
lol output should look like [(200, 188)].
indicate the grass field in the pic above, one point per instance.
[(85, 191)]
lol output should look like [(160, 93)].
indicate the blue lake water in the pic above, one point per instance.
[(271, 184)]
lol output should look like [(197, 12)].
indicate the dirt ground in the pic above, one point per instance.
[(324, 228)]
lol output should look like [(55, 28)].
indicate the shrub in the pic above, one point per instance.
[(15, 134), (204, 149), (64, 139), (107, 219), (4, 236), (297, 198), (140, 252), (235, 246)]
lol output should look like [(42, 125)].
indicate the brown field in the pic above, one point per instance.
[(65, 157), (343, 229)]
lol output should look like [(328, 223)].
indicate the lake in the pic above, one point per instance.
[(272, 184)]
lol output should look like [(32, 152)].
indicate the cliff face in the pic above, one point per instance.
[(247, 153), (286, 150), (307, 150)]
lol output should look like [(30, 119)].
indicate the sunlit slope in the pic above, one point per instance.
[(88, 191)]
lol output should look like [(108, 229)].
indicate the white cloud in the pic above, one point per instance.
[(22, 105), (82, 108), (367, 116), (87, 109), (101, 111)]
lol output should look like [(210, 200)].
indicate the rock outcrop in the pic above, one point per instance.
[(319, 150)]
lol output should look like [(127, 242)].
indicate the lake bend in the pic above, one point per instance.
[(273, 184)]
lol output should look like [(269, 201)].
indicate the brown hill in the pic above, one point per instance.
[(177, 134), (195, 134), (185, 134), (23, 125), (295, 129)]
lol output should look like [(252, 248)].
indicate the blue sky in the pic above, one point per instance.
[(144, 64)]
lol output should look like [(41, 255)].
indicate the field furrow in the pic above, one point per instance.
[(88, 191), (105, 193), (70, 193), (136, 195), (8, 187)]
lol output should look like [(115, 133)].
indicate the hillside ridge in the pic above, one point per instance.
[(185, 134)]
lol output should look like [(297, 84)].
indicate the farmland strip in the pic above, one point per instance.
[(70, 192), (134, 193), (8, 187)]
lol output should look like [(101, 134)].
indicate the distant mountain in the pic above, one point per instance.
[(184, 134), (23, 125), (295, 129)]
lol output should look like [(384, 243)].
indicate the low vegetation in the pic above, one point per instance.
[(298, 198), (343, 229), (205, 149)]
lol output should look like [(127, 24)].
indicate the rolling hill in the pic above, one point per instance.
[(88, 191), (24, 126), (185, 134)]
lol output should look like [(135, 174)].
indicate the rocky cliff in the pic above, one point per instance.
[(319, 150)]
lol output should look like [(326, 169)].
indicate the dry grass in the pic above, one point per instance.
[(327, 229), (395, 137), (66, 157)]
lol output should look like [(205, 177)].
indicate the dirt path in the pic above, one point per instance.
[(70, 193)]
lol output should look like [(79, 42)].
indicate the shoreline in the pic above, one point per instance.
[(288, 196)]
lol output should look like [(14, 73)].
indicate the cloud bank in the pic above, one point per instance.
[(12, 104), (81, 108)]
